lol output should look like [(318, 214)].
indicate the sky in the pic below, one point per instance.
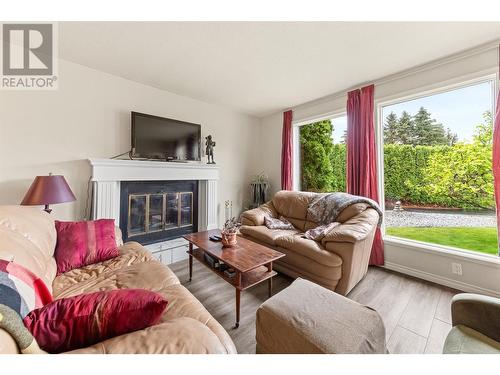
[(460, 110), (339, 127)]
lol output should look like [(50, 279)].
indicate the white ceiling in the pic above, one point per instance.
[(258, 67)]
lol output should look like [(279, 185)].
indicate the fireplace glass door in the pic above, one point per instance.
[(185, 209), (137, 214), (157, 212), (156, 216)]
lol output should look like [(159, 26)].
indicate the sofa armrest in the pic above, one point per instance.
[(481, 313), (181, 335), (118, 236), (256, 216), (355, 229)]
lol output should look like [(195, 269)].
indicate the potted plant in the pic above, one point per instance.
[(228, 233)]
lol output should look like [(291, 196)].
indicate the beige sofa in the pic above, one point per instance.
[(28, 236), (338, 262)]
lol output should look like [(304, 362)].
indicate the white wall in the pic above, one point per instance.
[(480, 274), (89, 116)]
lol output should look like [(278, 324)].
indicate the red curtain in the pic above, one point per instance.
[(286, 152), (362, 155), (496, 160)]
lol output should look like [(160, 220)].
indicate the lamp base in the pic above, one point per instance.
[(47, 209)]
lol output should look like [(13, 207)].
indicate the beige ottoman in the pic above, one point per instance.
[(307, 318)]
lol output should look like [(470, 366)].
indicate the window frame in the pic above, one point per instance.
[(297, 186), (459, 83)]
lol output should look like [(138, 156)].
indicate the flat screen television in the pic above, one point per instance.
[(156, 137)]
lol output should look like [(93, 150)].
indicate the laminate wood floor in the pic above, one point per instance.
[(416, 313)]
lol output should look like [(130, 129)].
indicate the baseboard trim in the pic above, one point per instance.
[(438, 279)]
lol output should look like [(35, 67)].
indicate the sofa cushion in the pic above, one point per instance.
[(257, 215), (465, 340), (297, 223), (132, 269), (266, 235), (7, 343), (130, 253), (29, 238), (33, 224), (177, 336), (292, 204), (83, 320), (80, 243), (183, 303), (309, 249), (327, 277)]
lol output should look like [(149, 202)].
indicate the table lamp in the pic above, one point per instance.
[(47, 190)]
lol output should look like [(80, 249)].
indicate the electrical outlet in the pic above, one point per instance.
[(456, 268)]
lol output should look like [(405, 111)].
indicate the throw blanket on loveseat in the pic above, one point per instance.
[(327, 207)]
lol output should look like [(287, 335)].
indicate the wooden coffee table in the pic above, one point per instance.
[(253, 263)]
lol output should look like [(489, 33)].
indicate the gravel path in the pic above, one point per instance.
[(434, 219)]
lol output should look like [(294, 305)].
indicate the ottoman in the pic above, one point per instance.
[(307, 318)]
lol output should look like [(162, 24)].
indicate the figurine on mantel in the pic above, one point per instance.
[(210, 149)]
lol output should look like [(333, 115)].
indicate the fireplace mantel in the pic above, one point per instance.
[(138, 170), (108, 173)]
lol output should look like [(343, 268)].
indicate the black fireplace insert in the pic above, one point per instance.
[(154, 211)]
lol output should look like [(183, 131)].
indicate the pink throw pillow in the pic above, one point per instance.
[(86, 319), (80, 243)]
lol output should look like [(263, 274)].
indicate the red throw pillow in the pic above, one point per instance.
[(86, 319), (80, 243)]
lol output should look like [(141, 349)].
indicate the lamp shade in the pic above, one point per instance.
[(48, 190)]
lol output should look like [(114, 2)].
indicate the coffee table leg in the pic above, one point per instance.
[(190, 261), (270, 280), (238, 295)]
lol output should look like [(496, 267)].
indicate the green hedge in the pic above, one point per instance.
[(451, 176), (404, 172), (338, 161)]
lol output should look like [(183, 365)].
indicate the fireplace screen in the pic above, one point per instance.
[(149, 213)]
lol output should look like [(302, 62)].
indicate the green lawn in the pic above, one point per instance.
[(482, 240)]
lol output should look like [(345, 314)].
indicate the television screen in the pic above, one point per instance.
[(162, 138)]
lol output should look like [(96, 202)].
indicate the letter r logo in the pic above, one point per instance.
[(27, 49)]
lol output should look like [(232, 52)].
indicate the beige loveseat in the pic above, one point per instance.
[(338, 262), (28, 236)]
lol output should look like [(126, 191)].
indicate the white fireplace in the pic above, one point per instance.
[(107, 175)]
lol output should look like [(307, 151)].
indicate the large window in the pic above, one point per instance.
[(323, 155), (438, 181), (437, 168)]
